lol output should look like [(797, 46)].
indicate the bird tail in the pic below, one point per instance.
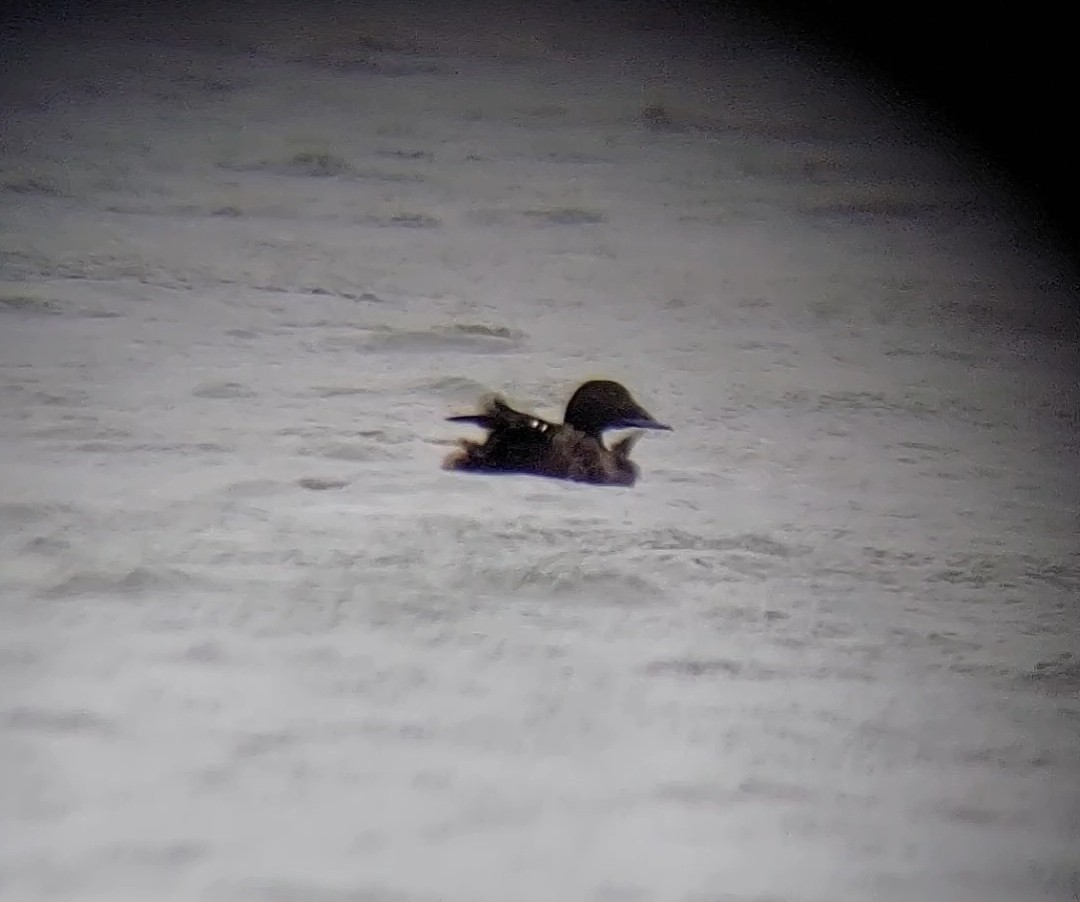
[(495, 413)]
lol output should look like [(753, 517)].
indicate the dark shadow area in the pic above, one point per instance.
[(999, 81)]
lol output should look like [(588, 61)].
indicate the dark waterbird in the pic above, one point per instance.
[(574, 449)]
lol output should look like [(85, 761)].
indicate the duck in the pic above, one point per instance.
[(574, 449)]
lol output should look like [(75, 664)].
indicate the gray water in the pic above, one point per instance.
[(257, 645)]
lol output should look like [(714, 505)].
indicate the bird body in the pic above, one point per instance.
[(574, 449)]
